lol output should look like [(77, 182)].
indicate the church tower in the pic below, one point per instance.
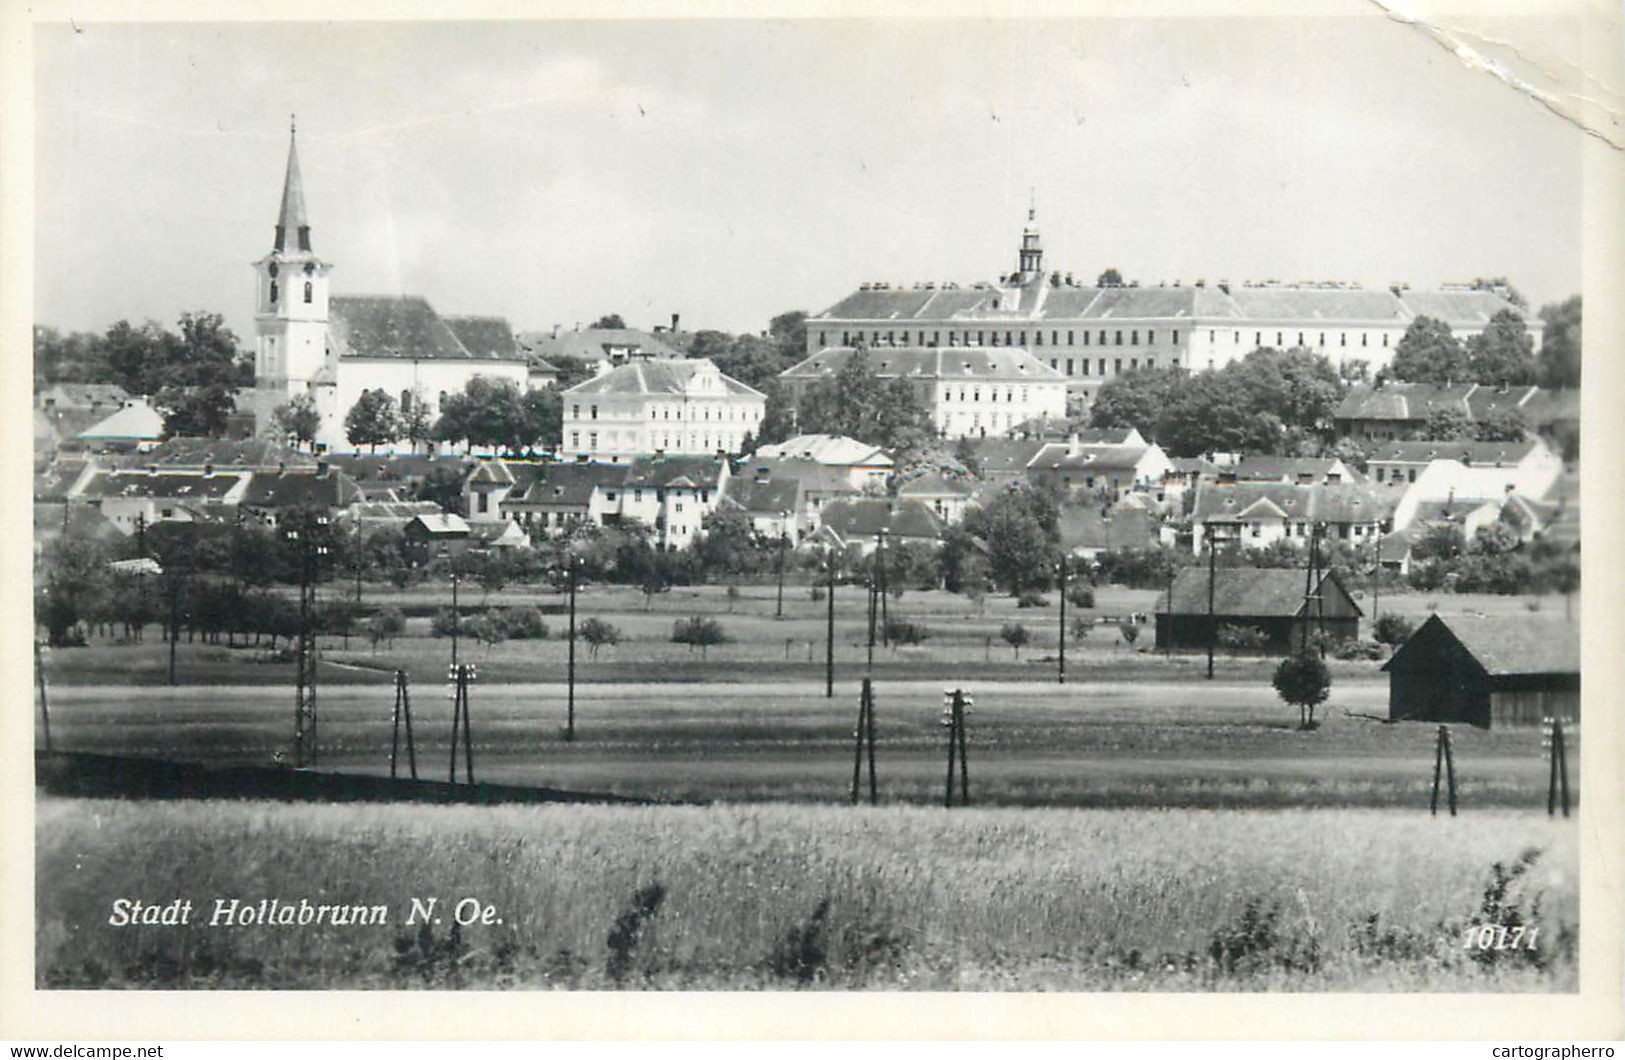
[(1032, 249), (290, 315)]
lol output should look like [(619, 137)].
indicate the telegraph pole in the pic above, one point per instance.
[(829, 636), (1212, 576), (1060, 677), (778, 611), (570, 704), (305, 538), (44, 707), (456, 617)]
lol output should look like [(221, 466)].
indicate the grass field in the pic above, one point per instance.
[(783, 897)]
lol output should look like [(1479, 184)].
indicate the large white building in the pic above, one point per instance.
[(659, 406), (970, 392), (335, 348), (1091, 334)]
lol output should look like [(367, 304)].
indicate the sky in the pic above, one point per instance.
[(552, 172)]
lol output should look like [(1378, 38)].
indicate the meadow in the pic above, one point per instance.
[(751, 897)]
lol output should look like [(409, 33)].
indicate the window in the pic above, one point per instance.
[(1086, 366), (1300, 338), (1055, 364), (1134, 337), (1323, 338), (1279, 339), (1023, 341), (1103, 338), (610, 496), (273, 292), (308, 292), (1133, 362), (1385, 338), (1103, 366), (1118, 338), (594, 412), (821, 339), (1069, 365), (1054, 338), (485, 500), (1039, 336), (1117, 366), (1151, 337), (1007, 338), (637, 494), (1150, 362), (1212, 336), (406, 401), (1176, 336), (592, 440), (575, 439), (1086, 338), (1343, 339), (1410, 476), (575, 410), (1072, 341), (1379, 473), (1363, 337), (1258, 338)]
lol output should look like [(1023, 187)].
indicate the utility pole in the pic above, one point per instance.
[(356, 550), (45, 708), (884, 590), (456, 617), (305, 539), (1060, 677), (1212, 576), (784, 537), (570, 703), (461, 676), (829, 635), (403, 712)]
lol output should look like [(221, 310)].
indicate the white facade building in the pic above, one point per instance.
[(332, 349), (648, 407)]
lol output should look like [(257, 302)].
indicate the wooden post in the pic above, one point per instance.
[(1562, 763), (1449, 768), (44, 707), (1212, 575), (570, 702), (1060, 676), (395, 728), (857, 739), (456, 717), (829, 636), (951, 723), (406, 714), (1550, 726), (869, 737), (1438, 767), (961, 703), (466, 676)]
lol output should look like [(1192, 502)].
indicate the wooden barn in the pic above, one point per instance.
[(1268, 600), (1486, 671)]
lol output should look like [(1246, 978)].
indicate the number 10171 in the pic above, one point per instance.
[(1500, 937)]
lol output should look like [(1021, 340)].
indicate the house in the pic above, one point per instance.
[(491, 482), (1000, 461), (1276, 601), (1506, 670), (599, 347), (1437, 470), (947, 497), (1390, 411), (1105, 470), (1258, 514), (442, 532), (771, 504), (499, 535), (1088, 530), (270, 494), (819, 485), (99, 398), (671, 494), (866, 465), (542, 374), (1298, 470), (387, 515), (218, 454), (856, 526), (652, 407), (563, 494), (136, 427), (133, 499), (969, 392), (1184, 472), (1466, 515)]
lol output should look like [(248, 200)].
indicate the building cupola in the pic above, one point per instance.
[(1032, 248)]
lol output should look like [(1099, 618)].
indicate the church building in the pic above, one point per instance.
[(334, 348)]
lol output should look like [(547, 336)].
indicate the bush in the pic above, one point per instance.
[(1032, 598), (1393, 629), (1359, 649), (1241, 638), (1130, 631), (1015, 634), (522, 623), (1081, 596), (817, 593), (698, 631), (444, 623), (1304, 681), (900, 631), (386, 625), (1082, 626), (599, 634)]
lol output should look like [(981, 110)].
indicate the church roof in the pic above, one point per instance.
[(485, 335), (401, 327), (291, 220)]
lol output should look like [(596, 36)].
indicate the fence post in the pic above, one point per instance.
[(1450, 769), (1438, 767)]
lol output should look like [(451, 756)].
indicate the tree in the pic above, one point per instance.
[(789, 332), (1392, 629), (861, 405), (1502, 425), (1502, 286), (1429, 353), (196, 412), (372, 420), (697, 631), (1501, 354), (599, 634), (1129, 630), (1020, 530), (965, 452), (1015, 634), (1304, 681), (486, 412), (610, 320), (542, 418), (1133, 399), (386, 625), (1082, 626), (1110, 278), (1447, 423), (1560, 344), (298, 419), (79, 357)]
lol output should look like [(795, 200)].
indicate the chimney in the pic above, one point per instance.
[(675, 317)]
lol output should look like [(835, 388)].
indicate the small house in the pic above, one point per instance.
[(1506, 670), (1279, 602)]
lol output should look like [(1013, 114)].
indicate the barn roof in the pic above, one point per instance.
[(596, 344), (1506, 644), (1246, 591)]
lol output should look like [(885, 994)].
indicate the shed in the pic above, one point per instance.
[(1506, 670), (1271, 600)]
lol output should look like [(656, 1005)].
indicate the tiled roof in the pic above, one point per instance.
[(571, 485), (137, 420), (700, 472), (857, 519), (1244, 592), (252, 453), (1085, 527), (771, 497), (490, 473), (1551, 406), (1457, 308), (1264, 467), (365, 467), (1059, 456), (1334, 503), (485, 336), (813, 477), (399, 328), (87, 395), (110, 484), (1005, 454), (827, 449), (1470, 453), (445, 524), (1002, 364), (1485, 401), (935, 484), (288, 489), (1401, 401), (657, 378), (53, 483), (390, 511), (593, 344), (1524, 644)]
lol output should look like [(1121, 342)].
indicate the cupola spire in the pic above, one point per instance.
[(291, 220)]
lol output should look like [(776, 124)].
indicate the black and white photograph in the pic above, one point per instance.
[(857, 504)]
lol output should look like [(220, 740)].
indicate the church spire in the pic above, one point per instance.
[(291, 219), (1032, 249)]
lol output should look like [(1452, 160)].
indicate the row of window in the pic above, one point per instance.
[(975, 393), (1012, 337), (309, 292), (1083, 363), (1280, 338), (664, 412)]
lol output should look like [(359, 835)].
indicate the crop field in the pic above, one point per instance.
[(799, 896)]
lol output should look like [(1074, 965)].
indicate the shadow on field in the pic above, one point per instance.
[(112, 776)]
